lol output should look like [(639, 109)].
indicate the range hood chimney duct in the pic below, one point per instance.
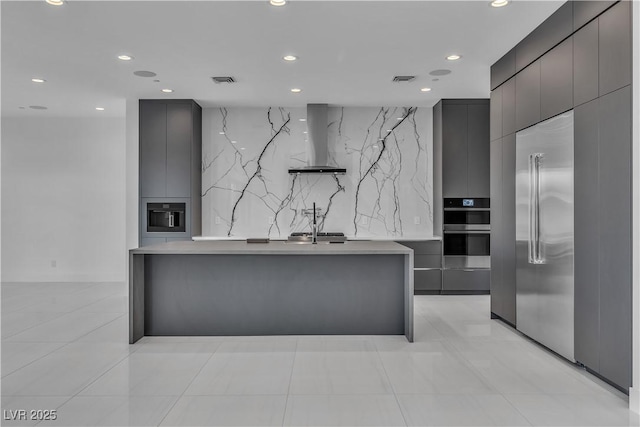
[(317, 124)]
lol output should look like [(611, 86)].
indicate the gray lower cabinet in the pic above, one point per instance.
[(503, 249), (466, 280), (603, 240), (427, 264)]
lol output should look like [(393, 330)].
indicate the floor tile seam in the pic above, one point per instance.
[(39, 324), (518, 410), (187, 386), (64, 343), (393, 389), (108, 369), (92, 303), (293, 366), (97, 327)]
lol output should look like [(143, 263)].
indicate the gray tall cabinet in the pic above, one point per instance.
[(170, 141), (580, 59)]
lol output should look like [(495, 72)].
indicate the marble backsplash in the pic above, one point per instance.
[(386, 192)]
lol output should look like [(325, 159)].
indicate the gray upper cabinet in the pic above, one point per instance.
[(153, 149), (551, 32), (528, 96), (556, 80), (509, 107), (503, 69), (495, 114), (585, 63), (179, 134), (585, 11), (454, 150), (465, 147), (615, 47), (478, 150)]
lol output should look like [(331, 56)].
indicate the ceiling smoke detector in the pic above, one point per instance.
[(403, 78), (227, 79)]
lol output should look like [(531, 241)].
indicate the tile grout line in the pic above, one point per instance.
[(190, 382), (293, 366), (393, 389)]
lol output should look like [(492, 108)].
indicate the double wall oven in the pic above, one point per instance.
[(466, 233)]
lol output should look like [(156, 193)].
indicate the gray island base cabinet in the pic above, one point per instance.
[(277, 288)]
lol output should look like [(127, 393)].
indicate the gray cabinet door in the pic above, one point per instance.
[(509, 228), (509, 106), (179, 134), (528, 96), (465, 280), (427, 280), (585, 63), (615, 48), (153, 149), (552, 31), (614, 122), (585, 10), (454, 150), (586, 243), (496, 227), (556, 80), (495, 129), (478, 150)]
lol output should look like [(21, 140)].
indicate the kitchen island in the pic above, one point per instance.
[(277, 288)]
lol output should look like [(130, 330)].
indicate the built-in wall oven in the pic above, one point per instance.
[(466, 233)]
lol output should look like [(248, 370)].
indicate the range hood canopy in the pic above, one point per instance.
[(317, 123)]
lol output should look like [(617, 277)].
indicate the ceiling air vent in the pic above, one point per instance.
[(223, 79), (403, 78)]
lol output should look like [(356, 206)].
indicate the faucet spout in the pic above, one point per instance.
[(314, 231)]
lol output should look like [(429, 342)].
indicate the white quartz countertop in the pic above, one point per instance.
[(352, 238), (274, 247)]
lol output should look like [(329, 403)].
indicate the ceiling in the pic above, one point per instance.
[(348, 51)]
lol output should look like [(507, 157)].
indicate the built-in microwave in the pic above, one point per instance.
[(166, 217)]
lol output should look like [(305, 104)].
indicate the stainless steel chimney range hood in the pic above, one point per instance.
[(317, 122)]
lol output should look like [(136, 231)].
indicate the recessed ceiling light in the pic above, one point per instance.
[(143, 73), (277, 2), (36, 80), (167, 90), (453, 57), (125, 57), (289, 57), (100, 108), (296, 90), (55, 2), (499, 3), (425, 89), (302, 120)]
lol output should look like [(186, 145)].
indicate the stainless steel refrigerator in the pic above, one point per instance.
[(545, 234)]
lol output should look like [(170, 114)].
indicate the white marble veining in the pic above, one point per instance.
[(386, 192)]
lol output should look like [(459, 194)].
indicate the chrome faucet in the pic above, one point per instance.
[(314, 228)]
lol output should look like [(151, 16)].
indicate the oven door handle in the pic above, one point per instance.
[(467, 231)]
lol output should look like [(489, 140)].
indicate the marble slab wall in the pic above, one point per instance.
[(386, 192)]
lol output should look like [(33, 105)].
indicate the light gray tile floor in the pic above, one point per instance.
[(65, 348)]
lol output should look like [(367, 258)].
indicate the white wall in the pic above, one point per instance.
[(63, 199)]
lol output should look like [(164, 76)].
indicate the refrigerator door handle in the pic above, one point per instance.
[(534, 209)]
